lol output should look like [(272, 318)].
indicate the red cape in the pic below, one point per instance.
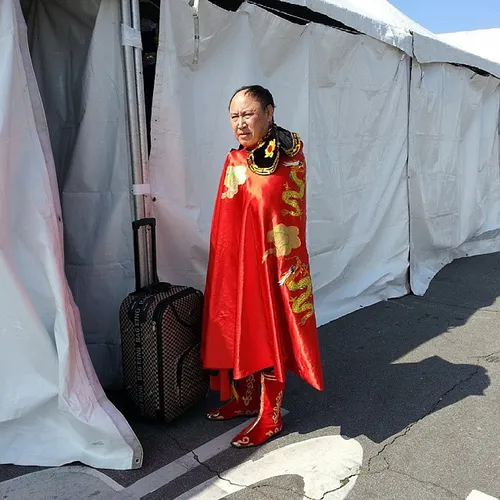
[(259, 309)]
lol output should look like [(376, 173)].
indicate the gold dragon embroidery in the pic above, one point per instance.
[(292, 197), (295, 279)]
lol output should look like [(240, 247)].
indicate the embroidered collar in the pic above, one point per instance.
[(264, 158)]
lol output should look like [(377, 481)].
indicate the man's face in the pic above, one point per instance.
[(250, 123)]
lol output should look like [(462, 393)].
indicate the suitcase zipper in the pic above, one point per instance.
[(159, 310), (162, 305), (180, 364)]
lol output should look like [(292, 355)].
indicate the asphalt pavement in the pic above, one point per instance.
[(410, 412)]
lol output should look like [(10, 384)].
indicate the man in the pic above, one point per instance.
[(259, 316)]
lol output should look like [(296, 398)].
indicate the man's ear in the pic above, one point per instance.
[(270, 113)]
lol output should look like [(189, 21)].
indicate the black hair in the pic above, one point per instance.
[(259, 93)]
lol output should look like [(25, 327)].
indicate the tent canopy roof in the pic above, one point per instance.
[(483, 43)]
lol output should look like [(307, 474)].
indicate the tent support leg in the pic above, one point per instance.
[(136, 119)]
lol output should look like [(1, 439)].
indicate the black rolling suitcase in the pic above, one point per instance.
[(161, 334)]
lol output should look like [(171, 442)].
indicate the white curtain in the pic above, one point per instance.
[(52, 407), (77, 56)]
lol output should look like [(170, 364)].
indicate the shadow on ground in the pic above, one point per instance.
[(368, 392)]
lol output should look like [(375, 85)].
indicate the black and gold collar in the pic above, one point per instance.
[(264, 159)]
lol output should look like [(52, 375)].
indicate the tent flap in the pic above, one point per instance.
[(77, 55), (52, 407)]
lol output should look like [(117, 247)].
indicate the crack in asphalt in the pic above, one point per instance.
[(493, 357), (222, 478), (422, 481), (344, 482), (380, 454), (432, 410), (203, 464)]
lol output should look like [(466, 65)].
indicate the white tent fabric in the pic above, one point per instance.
[(454, 160), (482, 43), (454, 168), (382, 21), (77, 55), (347, 91), (432, 49), (52, 407), (378, 19)]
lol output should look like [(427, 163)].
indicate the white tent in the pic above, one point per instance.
[(52, 407), (482, 43), (354, 94)]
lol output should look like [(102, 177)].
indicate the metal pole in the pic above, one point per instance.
[(139, 210), (143, 130)]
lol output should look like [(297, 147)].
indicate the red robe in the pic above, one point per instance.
[(259, 309)]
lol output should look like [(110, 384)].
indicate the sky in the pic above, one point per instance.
[(445, 16)]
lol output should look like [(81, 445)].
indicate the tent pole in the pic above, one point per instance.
[(139, 206), (143, 130)]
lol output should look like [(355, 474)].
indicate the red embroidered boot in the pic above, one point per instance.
[(245, 401), (269, 422)]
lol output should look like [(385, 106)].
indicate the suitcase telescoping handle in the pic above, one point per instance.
[(136, 226)]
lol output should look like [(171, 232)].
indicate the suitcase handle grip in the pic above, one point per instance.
[(136, 225)]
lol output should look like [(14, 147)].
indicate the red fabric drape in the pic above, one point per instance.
[(259, 309)]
